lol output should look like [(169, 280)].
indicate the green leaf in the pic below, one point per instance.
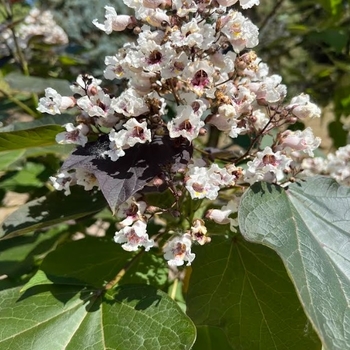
[(54, 149), (50, 210), (148, 269), (332, 6), (95, 261), (211, 338), (22, 82), (66, 317), (244, 290), (338, 134), (19, 255), (9, 158), (27, 176), (334, 38), (59, 119), (89, 261), (36, 137), (308, 226)]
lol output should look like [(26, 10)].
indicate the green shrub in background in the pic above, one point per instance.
[(75, 17), (308, 44)]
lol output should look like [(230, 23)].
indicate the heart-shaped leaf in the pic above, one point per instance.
[(243, 290), (36, 137), (119, 180), (59, 119), (25, 83), (90, 261), (70, 318), (308, 225), (50, 210)]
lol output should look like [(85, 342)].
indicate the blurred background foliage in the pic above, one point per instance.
[(308, 43)]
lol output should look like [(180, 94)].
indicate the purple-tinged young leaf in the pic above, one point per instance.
[(118, 180)]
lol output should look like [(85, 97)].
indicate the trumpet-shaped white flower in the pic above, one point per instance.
[(187, 124), (338, 165), (269, 89), (53, 103), (73, 134), (178, 250), (221, 216), (113, 21), (136, 132), (298, 141), (131, 210), (86, 178), (245, 4), (134, 237), (129, 103), (116, 145), (267, 166), (62, 182), (302, 108), (98, 105), (203, 182), (240, 31)]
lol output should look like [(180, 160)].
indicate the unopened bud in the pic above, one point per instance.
[(151, 209), (137, 30), (202, 131), (157, 182), (92, 90)]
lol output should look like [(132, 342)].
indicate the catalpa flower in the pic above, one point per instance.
[(267, 166), (113, 21), (178, 250), (86, 178), (62, 181), (298, 141), (187, 124), (53, 103), (131, 210), (73, 134), (302, 108), (240, 31), (246, 4), (134, 237)]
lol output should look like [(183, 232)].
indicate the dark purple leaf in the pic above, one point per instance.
[(121, 179)]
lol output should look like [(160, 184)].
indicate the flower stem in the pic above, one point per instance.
[(19, 104), (113, 282)]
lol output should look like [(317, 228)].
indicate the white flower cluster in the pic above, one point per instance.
[(191, 58), (336, 165), (36, 23)]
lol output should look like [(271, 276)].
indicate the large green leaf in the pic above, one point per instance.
[(28, 176), (20, 255), (244, 290), (52, 209), (89, 261), (9, 158), (59, 119), (36, 137), (149, 269), (211, 338), (22, 82), (308, 225), (95, 261), (66, 317)]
